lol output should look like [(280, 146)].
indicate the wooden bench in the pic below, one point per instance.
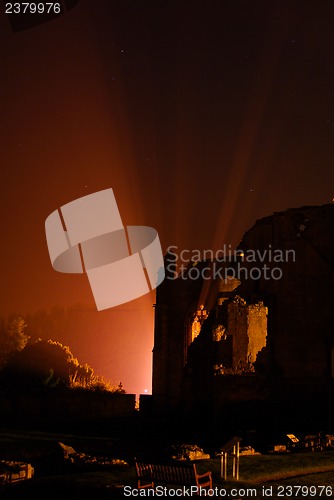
[(183, 474)]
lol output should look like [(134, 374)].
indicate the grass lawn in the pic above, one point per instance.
[(255, 472), (263, 468), (310, 469), (253, 469)]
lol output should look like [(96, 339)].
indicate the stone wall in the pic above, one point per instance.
[(300, 303), (74, 405), (175, 302), (247, 323), (283, 323)]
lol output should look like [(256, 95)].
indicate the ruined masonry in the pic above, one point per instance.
[(253, 340)]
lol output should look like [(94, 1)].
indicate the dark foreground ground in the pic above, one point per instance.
[(106, 452)]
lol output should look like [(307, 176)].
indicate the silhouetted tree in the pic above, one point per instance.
[(49, 364), (44, 363), (12, 338)]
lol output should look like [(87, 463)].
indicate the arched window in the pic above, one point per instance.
[(200, 317)]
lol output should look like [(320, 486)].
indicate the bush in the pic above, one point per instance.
[(48, 364), (12, 338)]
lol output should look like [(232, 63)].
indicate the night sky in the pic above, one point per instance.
[(202, 117)]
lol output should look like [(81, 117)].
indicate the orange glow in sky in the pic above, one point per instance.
[(200, 120)]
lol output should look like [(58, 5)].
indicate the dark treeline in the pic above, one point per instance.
[(29, 359)]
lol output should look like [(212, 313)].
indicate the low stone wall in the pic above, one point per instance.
[(77, 405), (231, 389), (237, 388)]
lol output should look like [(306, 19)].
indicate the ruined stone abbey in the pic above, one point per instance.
[(252, 337)]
